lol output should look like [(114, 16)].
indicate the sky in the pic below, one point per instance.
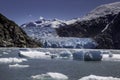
[(22, 11)]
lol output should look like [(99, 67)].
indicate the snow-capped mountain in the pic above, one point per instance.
[(103, 10), (42, 28), (45, 28)]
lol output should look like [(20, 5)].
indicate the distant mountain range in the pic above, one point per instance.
[(101, 24), (45, 28)]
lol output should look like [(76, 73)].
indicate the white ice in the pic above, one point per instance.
[(94, 77), (50, 76), (71, 42), (114, 57), (18, 66), (5, 53), (36, 54), (12, 60)]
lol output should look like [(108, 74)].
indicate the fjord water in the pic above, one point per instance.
[(73, 69)]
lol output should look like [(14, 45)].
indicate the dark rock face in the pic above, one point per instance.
[(87, 28), (110, 37), (13, 36)]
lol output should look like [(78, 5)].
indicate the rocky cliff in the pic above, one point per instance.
[(101, 24), (110, 36), (13, 36)]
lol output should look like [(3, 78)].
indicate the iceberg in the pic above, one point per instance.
[(111, 57), (50, 76), (65, 54), (87, 55), (35, 54), (94, 77)]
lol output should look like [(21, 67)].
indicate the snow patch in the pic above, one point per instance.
[(94, 77), (72, 21), (50, 76)]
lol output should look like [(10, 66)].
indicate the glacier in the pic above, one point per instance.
[(71, 42), (45, 28)]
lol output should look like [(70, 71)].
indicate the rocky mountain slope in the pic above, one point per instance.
[(96, 25), (110, 36), (13, 36)]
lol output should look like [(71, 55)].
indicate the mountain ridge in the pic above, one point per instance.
[(13, 36)]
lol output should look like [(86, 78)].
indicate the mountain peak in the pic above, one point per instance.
[(103, 10)]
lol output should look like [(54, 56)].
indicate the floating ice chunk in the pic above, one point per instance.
[(5, 53), (66, 54), (109, 57), (18, 66), (50, 76), (12, 60), (35, 54), (94, 77)]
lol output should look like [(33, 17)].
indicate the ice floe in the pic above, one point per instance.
[(12, 60), (50, 76), (94, 77), (18, 66), (111, 57), (5, 53), (35, 54)]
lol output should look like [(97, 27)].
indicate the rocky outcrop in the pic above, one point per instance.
[(13, 36), (110, 36)]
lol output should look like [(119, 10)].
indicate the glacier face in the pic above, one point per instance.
[(71, 42)]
